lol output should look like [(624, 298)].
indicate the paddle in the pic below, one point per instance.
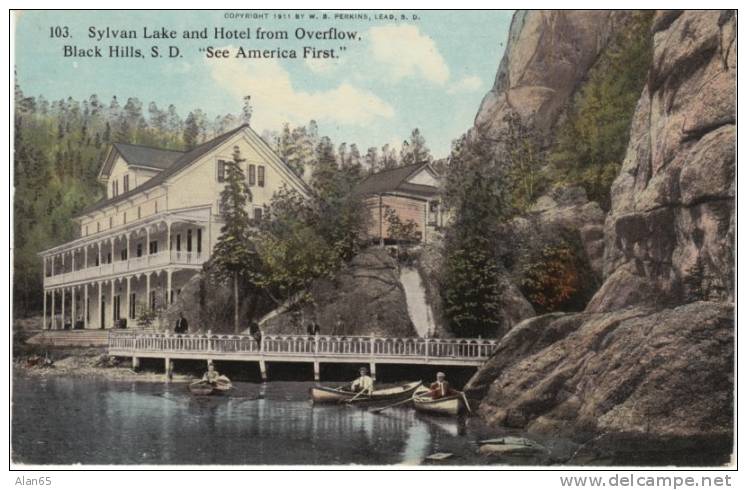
[(356, 396), (401, 402), (464, 397)]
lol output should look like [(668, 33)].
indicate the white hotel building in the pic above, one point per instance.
[(156, 227)]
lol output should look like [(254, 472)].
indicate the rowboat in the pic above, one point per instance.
[(205, 388), (448, 405), (325, 394)]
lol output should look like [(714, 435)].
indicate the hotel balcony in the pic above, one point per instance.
[(124, 267)]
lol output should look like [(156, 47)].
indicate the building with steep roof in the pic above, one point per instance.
[(412, 191), (155, 228)]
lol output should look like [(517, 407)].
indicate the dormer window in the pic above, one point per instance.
[(126, 183), (115, 188)]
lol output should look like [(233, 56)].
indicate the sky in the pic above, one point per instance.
[(428, 70)]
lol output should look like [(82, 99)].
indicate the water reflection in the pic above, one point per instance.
[(98, 422)]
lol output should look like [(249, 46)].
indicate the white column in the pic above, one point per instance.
[(53, 265), (54, 310), (147, 290), (147, 244), (85, 305), (112, 249), (85, 257), (44, 270), (63, 307), (98, 308), (127, 313), (99, 245), (72, 258), (168, 239), (114, 313), (168, 286), (44, 311), (128, 256), (73, 308)]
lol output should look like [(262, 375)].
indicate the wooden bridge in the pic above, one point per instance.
[(301, 348)]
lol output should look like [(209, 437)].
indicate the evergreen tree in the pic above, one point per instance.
[(191, 131), (233, 255), (414, 150), (476, 192)]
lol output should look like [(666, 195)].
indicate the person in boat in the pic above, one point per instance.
[(211, 376), (440, 388), (181, 324), (363, 383)]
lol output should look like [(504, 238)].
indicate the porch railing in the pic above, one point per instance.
[(304, 345)]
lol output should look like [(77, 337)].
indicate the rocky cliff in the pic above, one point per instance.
[(670, 233), (547, 57), (650, 361)]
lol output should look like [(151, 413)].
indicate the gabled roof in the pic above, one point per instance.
[(394, 179), (145, 156), (183, 161)]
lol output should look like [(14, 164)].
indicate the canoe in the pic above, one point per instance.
[(447, 405), (204, 388), (325, 394), (201, 388)]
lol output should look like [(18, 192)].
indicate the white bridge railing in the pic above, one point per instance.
[(303, 345)]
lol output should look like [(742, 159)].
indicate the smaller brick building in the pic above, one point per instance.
[(412, 191)]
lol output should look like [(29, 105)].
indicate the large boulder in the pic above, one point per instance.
[(635, 371), (672, 222), (366, 296), (567, 207)]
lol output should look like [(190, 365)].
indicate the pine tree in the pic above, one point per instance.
[(414, 150), (191, 131), (234, 255)]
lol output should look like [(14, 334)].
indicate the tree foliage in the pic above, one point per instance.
[(477, 194), (591, 142)]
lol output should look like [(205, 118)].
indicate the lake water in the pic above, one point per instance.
[(60, 420)]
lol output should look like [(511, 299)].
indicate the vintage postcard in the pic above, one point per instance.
[(271, 238)]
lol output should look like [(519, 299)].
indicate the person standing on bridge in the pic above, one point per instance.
[(363, 383)]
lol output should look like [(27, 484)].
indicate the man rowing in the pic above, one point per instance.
[(211, 376), (364, 383), (440, 388)]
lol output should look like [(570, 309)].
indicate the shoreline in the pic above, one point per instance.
[(89, 362)]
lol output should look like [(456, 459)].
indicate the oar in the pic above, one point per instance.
[(356, 396), (401, 402), (464, 397)]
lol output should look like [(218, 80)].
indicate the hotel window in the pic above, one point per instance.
[(123, 254), (257, 214), (189, 240), (251, 174), (221, 170), (111, 221), (261, 176), (139, 249), (139, 212), (124, 219), (98, 226), (114, 188), (199, 240), (153, 300), (178, 242), (153, 247), (125, 183), (86, 230)]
